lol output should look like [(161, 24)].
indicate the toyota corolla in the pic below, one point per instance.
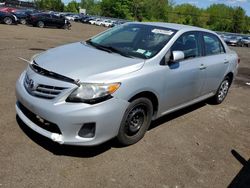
[(116, 83)]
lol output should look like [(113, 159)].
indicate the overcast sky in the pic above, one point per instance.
[(245, 4)]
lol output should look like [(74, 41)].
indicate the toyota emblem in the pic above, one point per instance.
[(31, 84)]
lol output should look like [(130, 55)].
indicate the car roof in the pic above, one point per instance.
[(179, 27)]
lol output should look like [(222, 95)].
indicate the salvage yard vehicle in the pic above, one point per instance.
[(107, 23), (115, 83), (232, 41), (94, 21), (244, 41), (7, 18), (45, 19)]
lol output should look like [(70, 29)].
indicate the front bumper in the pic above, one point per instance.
[(70, 117)]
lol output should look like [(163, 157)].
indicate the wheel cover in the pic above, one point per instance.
[(223, 90), (7, 21), (40, 24), (23, 21), (135, 120)]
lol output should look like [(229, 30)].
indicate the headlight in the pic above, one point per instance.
[(93, 93)]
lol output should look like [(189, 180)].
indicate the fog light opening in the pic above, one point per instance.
[(87, 130)]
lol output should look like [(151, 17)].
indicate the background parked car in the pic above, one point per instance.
[(244, 41), (232, 40), (99, 22), (44, 19), (107, 23), (70, 17), (7, 18), (94, 21)]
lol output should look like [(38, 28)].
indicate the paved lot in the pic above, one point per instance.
[(201, 146)]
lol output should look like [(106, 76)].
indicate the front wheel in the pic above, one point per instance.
[(135, 122), (66, 26), (222, 91), (7, 20)]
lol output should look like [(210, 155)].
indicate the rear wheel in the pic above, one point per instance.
[(136, 121), (7, 20), (40, 24), (222, 91), (66, 26), (23, 21)]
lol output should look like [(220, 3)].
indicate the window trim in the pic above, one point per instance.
[(203, 33), (200, 47)]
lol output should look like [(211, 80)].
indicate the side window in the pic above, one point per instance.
[(189, 44), (47, 15), (55, 17), (212, 44)]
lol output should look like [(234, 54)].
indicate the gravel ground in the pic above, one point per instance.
[(201, 146)]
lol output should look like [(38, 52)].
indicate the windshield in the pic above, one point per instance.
[(133, 40)]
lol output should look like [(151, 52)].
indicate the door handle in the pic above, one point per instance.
[(226, 62), (202, 67)]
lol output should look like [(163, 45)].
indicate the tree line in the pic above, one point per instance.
[(218, 17)]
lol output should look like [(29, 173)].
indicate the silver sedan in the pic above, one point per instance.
[(116, 83)]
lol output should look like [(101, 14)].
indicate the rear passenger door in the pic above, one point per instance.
[(215, 62)]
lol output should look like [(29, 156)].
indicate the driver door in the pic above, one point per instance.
[(184, 79)]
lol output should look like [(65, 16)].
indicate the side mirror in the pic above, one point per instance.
[(177, 56), (172, 57)]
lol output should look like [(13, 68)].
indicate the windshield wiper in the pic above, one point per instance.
[(115, 50), (109, 49), (98, 46)]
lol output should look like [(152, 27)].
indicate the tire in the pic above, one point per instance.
[(23, 21), (40, 24), (135, 122), (7, 20), (222, 91), (64, 27)]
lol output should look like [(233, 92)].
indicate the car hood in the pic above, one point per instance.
[(84, 62)]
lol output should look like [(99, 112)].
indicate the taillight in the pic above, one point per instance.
[(238, 60)]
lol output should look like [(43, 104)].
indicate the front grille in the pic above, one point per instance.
[(41, 90), (40, 122)]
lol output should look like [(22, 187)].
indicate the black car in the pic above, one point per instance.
[(7, 18), (86, 19), (45, 19)]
